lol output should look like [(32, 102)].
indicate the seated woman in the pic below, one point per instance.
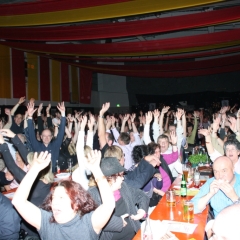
[(124, 222), (159, 187), (68, 212)]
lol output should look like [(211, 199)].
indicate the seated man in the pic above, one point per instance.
[(9, 221), (226, 225), (222, 190)]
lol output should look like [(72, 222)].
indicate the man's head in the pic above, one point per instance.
[(124, 138), (115, 151), (223, 169), (139, 152), (232, 150), (172, 127), (109, 139), (58, 114), (226, 224), (46, 136), (18, 119), (163, 141)]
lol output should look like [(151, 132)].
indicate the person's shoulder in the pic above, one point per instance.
[(237, 177)]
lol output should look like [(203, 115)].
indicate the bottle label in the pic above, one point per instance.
[(183, 192)]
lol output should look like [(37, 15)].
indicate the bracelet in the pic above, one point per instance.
[(100, 179), (174, 144), (101, 116)]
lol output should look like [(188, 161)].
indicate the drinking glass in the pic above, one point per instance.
[(185, 169), (171, 198), (188, 211)]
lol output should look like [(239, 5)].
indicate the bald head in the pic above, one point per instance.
[(223, 169), (226, 224)]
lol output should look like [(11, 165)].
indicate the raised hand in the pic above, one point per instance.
[(30, 109), (196, 114), (21, 100), (93, 160), (126, 117), (165, 109), (232, 123), (83, 123), (41, 161), (91, 122), (173, 137), (156, 114), (204, 132), (105, 107), (133, 117), (216, 123), (7, 111), (148, 117), (61, 108), (40, 107), (48, 109)]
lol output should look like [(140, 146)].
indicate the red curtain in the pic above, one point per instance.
[(122, 29), (44, 79), (18, 74), (213, 52), (65, 82), (181, 43), (50, 6), (85, 85)]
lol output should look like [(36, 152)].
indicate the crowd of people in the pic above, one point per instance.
[(123, 164)]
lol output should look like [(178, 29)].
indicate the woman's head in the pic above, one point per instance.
[(66, 199), (163, 141), (154, 149), (115, 151), (45, 174)]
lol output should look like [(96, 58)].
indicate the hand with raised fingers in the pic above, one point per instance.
[(83, 123), (165, 109), (7, 111), (204, 132), (173, 137), (233, 123), (133, 117), (93, 160), (91, 122), (21, 100), (126, 117), (40, 107), (41, 160), (148, 117), (156, 114), (48, 109), (30, 109), (61, 108), (104, 109)]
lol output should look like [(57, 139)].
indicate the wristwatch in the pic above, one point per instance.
[(237, 201)]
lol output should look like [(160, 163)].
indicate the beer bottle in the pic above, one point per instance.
[(183, 187)]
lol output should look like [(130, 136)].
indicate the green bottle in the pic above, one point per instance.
[(183, 187)]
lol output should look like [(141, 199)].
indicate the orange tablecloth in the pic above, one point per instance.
[(163, 212)]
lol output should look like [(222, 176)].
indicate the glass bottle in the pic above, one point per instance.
[(196, 178), (147, 233), (183, 191)]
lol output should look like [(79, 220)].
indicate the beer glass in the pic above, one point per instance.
[(188, 211), (171, 198)]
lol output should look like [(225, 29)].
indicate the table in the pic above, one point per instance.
[(163, 212)]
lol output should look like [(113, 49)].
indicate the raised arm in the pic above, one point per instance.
[(20, 101), (164, 110), (23, 206), (125, 119), (9, 122), (17, 172), (146, 134), (103, 213), (101, 125), (39, 118), (91, 122)]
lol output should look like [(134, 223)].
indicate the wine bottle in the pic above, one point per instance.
[(183, 187)]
